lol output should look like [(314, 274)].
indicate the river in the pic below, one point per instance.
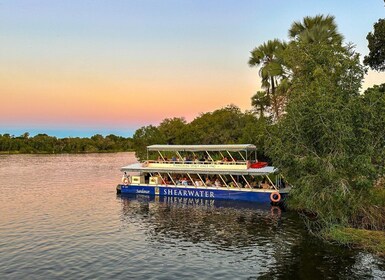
[(60, 218)]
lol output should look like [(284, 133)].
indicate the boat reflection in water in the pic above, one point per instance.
[(245, 239)]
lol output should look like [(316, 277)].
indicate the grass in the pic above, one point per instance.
[(371, 240)]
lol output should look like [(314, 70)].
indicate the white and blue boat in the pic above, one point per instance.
[(204, 171)]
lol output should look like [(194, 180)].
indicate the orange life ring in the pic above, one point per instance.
[(275, 197)]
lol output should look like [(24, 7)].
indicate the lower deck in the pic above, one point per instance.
[(245, 194)]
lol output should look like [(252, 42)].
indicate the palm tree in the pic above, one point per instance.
[(318, 29), (268, 57), (260, 101)]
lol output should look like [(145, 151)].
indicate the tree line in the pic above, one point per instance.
[(42, 143)]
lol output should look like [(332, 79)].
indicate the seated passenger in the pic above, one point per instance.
[(208, 182), (218, 183), (184, 181)]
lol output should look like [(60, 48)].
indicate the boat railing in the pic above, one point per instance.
[(197, 162)]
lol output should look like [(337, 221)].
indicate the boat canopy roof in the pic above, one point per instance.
[(138, 167), (202, 148)]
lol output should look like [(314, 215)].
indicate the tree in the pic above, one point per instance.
[(172, 130), (267, 57), (260, 101), (376, 45), (315, 30), (145, 136), (324, 145)]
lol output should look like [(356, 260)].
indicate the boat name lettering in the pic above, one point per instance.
[(142, 191), (193, 193)]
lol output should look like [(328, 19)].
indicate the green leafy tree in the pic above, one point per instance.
[(146, 136), (322, 145), (172, 130), (376, 44)]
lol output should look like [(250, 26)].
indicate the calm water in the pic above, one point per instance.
[(60, 218)]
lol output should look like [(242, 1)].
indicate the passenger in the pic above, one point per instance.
[(208, 182), (126, 178), (254, 184), (178, 181), (184, 181), (165, 180), (218, 183)]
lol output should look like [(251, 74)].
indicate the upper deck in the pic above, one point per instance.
[(206, 159), (203, 148)]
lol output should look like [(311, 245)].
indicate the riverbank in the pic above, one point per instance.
[(369, 240)]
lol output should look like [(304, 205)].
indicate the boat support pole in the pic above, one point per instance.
[(202, 180), (164, 182), (179, 155), (171, 179), (246, 181), (241, 155), (224, 182), (271, 182), (234, 181), (230, 156), (221, 154), (209, 156), (192, 181), (161, 155)]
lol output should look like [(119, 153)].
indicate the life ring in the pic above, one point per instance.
[(125, 181), (275, 197)]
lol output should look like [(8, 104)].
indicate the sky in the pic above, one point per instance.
[(82, 67)]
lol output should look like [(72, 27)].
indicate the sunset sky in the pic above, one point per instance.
[(77, 68)]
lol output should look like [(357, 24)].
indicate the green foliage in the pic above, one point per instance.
[(373, 241), (223, 126), (329, 144), (316, 30), (42, 143), (271, 69), (146, 136), (376, 45)]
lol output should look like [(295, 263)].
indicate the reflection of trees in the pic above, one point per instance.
[(279, 243)]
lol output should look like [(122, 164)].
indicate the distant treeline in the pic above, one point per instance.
[(43, 143)]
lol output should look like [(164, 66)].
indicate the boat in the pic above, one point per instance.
[(230, 172)]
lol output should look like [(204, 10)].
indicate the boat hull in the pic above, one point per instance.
[(255, 195)]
